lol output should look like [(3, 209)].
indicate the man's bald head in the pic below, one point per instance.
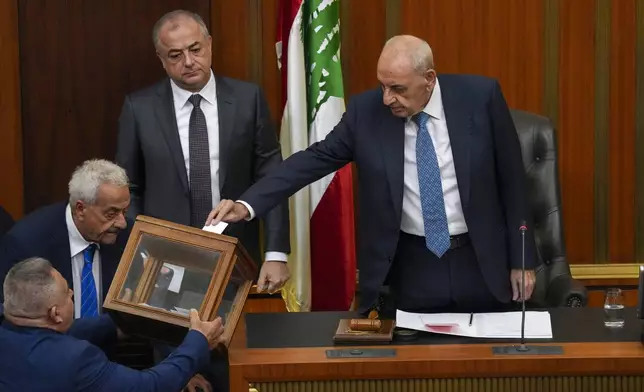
[(407, 50), (406, 73)]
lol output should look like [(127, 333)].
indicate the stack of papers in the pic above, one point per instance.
[(483, 325)]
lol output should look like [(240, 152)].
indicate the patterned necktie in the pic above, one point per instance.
[(200, 180), (431, 190), (89, 300)]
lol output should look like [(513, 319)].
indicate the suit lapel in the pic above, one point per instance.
[(392, 143), (109, 264), (167, 119), (226, 113), (61, 254), (459, 127)]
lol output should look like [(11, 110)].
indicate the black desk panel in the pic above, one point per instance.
[(316, 329)]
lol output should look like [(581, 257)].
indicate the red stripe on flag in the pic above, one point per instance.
[(333, 259)]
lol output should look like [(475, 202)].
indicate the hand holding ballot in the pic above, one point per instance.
[(228, 211)]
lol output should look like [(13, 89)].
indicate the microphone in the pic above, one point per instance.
[(522, 349), (522, 229)]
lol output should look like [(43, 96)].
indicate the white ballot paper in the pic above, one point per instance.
[(483, 325), (217, 229), (177, 277)]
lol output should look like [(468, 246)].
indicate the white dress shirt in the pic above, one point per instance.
[(183, 109), (77, 245), (412, 213)]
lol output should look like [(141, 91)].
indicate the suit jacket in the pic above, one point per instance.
[(43, 233), (489, 170), (150, 151), (37, 359)]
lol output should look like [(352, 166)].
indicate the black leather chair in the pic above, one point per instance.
[(555, 286)]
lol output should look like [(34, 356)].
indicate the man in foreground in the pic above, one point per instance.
[(39, 355), (442, 187)]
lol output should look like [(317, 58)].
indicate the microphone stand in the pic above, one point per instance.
[(522, 349)]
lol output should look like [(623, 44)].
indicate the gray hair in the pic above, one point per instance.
[(420, 54), (28, 287), (173, 16), (88, 177)]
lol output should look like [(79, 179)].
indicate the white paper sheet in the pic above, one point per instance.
[(218, 228), (484, 325), (177, 277)]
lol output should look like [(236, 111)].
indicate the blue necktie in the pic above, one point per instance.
[(89, 302), (431, 190)]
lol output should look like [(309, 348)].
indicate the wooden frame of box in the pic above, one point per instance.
[(144, 300)]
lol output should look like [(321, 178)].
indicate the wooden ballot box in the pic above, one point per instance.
[(168, 269)]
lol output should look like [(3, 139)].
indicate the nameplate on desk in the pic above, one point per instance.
[(527, 350), (361, 353)]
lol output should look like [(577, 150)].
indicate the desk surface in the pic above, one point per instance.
[(569, 325), (292, 346)]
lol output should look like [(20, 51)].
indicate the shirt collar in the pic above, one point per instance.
[(435, 105), (77, 243), (208, 92)]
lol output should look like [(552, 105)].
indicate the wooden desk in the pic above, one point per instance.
[(601, 366)]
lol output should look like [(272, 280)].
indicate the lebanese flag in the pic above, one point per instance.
[(322, 260)]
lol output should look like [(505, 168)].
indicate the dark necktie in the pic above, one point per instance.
[(89, 300), (200, 180), (431, 190)]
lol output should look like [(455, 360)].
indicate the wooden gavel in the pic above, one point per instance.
[(365, 325)]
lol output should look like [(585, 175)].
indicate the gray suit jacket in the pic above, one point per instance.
[(150, 151)]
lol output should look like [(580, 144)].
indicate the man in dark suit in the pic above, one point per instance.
[(82, 238), (195, 138), (42, 351), (442, 186)]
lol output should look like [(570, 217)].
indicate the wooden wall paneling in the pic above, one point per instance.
[(78, 61), (263, 303), (392, 18), (576, 125), (271, 79), (621, 137), (639, 133), (602, 93), (11, 182), (551, 60), (502, 39), (231, 34), (363, 29)]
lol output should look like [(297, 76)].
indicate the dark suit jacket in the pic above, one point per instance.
[(36, 359), (487, 159), (43, 233), (150, 151)]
